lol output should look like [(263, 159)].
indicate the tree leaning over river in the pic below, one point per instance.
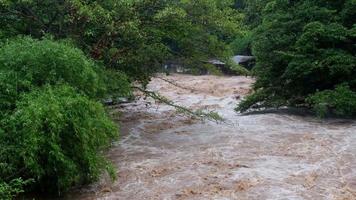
[(305, 53)]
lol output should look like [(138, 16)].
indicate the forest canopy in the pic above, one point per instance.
[(305, 52), (59, 60), (133, 36)]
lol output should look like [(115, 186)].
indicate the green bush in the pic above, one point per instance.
[(236, 68), (52, 129), (341, 101), (55, 137), (242, 44), (117, 83), (10, 190), (26, 64)]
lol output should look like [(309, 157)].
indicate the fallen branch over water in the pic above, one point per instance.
[(201, 114), (176, 84)]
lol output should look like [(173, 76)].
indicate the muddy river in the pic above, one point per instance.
[(165, 155)]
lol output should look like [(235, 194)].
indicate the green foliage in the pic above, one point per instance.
[(253, 11), (26, 64), (250, 101), (117, 83), (236, 68), (134, 37), (212, 69), (341, 100), (302, 48), (242, 44), (10, 190), (56, 137), (52, 129)]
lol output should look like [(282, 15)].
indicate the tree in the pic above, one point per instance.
[(252, 17), (52, 128), (303, 48), (136, 36)]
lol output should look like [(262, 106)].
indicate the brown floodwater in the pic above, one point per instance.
[(271, 156)]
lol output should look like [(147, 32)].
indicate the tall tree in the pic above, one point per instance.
[(134, 36), (305, 49)]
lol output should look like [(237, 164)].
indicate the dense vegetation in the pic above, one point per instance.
[(53, 130), (60, 59), (305, 53), (133, 36)]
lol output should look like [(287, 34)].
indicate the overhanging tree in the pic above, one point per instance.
[(304, 48), (133, 36)]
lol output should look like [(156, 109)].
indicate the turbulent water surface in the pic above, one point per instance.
[(163, 155)]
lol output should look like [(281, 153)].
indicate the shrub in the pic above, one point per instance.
[(341, 101), (236, 68), (242, 44), (26, 63), (52, 130), (56, 137), (117, 83), (10, 190)]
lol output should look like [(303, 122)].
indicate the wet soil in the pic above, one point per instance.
[(164, 155)]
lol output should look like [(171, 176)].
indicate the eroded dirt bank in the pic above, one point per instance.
[(162, 155)]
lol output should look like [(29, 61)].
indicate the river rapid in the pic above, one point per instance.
[(277, 156)]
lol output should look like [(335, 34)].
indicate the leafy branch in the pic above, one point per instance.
[(211, 116)]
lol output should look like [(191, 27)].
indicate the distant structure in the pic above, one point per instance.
[(215, 62), (246, 61), (239, 59), (173, 67)]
